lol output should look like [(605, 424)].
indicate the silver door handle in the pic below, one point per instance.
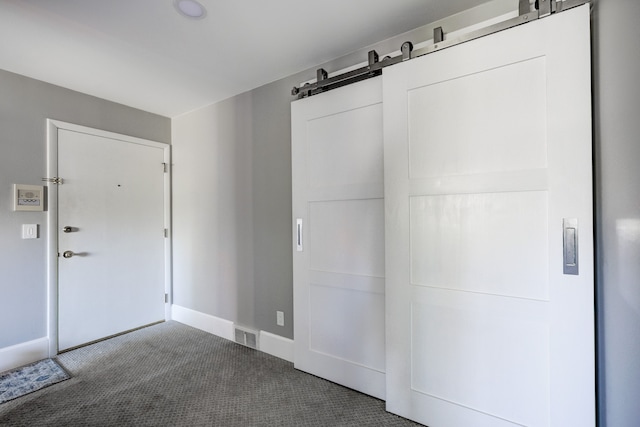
[(299, 235), (570, 246), (67, 229), (68, 254)]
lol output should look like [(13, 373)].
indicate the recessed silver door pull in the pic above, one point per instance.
[(570, 246), (299, 234)]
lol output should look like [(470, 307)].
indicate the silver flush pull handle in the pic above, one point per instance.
[(570, 246), (299, 234)]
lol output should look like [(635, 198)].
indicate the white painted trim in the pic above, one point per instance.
[(168, 241), (277, 346), (269, 343), (52, 237), (206, 322), (57, 124), (52, 217), (23, 354)]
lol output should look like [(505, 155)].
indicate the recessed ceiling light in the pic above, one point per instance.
[(190, 8)]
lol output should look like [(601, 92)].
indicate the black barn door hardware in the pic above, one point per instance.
[(527, 12)]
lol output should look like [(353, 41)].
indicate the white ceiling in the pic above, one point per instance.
[(142, 53)]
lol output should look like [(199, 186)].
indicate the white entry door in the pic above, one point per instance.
[(111, 220), (338, 212), (487, 151)]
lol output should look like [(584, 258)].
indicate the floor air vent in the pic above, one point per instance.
[(247, 337)]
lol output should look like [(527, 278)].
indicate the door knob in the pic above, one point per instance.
[(68, 254), (67, 229)]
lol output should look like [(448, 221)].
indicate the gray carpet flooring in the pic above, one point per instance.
[(174, 375)]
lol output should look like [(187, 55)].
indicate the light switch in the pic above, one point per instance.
[(29, 231)]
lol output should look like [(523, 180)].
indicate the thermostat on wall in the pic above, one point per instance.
[(28, 197)]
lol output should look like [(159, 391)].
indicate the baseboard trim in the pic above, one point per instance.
[(23, 354), (269, 343), (276, 345), (205, 322)]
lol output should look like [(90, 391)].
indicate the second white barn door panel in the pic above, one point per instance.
[(338, 213), (487, 151), (111, 214)]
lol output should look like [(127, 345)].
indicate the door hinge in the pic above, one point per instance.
[(54, 180), (165, 167), (166, 232), (166, 298)]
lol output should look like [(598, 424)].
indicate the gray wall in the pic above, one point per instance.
[(25, 104), (616, 55), (212, 210), (272, 230)]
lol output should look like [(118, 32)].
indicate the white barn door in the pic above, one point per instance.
[(338, 255), (487, 149)]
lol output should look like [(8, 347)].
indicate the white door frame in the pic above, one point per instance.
[(52, 217)]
